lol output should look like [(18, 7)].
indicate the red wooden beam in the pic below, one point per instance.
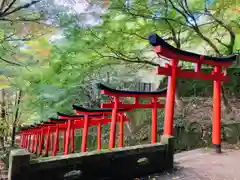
[(132, 106), (160, 51), (80, 119), (93, 113), (192, 75), (56, 144), (68, 134), (73, 139), (170, 100), (121, 131), (99, 136), (154, 120), (131, 95), (216, 125), (112, 134)]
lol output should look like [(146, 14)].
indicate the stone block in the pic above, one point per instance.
[(18, 164)]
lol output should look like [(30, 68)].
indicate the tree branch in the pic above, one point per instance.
[(173, 32), (117, 53), (220, 42), (2, 5), (161, 18), (196, 28), (135, 34), (237, 23), (179, 11), (230, 31), (188, 11), (17, 103), (25, 6), (9, 6), (125, 59), (10, 62)]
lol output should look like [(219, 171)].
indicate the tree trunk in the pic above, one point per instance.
[(13, 135), (178, 100), (16, 118), (6, 137), (2, 143), (3, 118), (227, 107)]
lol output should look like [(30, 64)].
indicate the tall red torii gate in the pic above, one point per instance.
[(116, 104), (162, 48)]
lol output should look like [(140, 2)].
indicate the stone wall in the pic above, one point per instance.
[(118, 164)]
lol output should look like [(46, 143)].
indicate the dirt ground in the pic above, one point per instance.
[(200, 110), (203, 164)]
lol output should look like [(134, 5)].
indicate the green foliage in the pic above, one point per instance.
[(109, 52), (113, 52)]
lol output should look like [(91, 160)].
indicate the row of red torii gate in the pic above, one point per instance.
[(44, 137)]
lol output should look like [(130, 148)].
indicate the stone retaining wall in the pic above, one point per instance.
[(118, 164)]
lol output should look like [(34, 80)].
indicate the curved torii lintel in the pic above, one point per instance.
[(82, 110), (171, 52), (110, 91), (77, 117)]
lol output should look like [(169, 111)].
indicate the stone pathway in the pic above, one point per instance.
[(202, 164)]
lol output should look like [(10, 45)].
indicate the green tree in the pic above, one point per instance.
[(182, 22), (115, 49)]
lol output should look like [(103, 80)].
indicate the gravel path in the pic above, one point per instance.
[(202, 164)]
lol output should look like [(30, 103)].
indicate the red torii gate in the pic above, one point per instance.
[(67, 123), (61, 124), (116, 104), (38, 131), (67, 127), (73, 122), (25, 134), (46, 129), (28, 137), (172, 70), (103, 111), (33, 137), (70, 128), (92, 120)]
